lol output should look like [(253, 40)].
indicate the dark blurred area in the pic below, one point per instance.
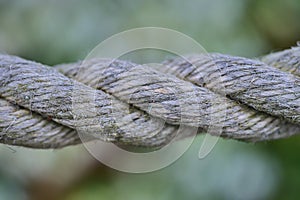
[(54, 32)]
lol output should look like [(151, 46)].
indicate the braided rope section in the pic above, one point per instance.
[(46, 107)]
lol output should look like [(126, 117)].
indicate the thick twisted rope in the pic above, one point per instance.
[(131, 104)]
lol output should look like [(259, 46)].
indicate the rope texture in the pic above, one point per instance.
[(131, 104)]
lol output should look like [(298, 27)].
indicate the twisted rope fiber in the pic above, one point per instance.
[(249, 100)]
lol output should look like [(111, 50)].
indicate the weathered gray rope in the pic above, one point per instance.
[(110, 99), (45, 91)]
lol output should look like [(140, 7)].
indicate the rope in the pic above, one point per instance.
[(249, 100)]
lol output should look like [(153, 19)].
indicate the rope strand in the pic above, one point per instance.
[(249, 100)]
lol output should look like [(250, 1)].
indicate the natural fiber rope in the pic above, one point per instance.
[(132, 104)]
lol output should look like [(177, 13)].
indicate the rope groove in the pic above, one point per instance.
[(130, 104)]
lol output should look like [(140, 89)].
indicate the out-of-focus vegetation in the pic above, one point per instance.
[(55, 31)]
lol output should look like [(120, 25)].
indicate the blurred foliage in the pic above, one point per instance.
[(233, 170), (55, 31)]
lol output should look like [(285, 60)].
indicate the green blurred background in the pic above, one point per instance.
[(56, 31)]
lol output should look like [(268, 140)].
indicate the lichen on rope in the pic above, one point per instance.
[(248, 99)]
